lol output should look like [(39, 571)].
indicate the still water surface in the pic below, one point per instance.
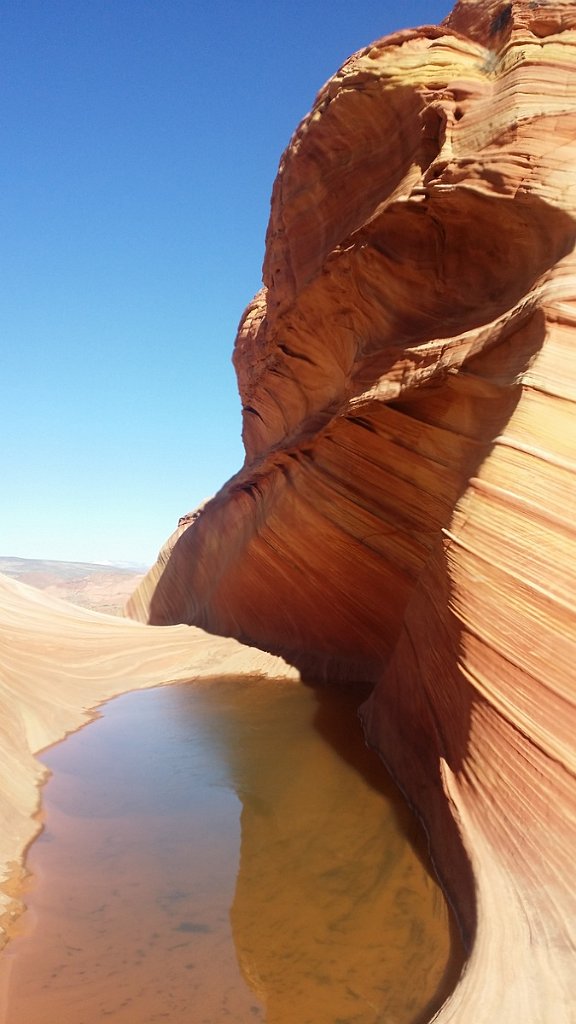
[(228, 851)]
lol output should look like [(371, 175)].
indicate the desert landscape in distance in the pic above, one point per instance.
[(405, 514)]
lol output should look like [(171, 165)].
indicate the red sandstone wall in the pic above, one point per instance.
[(406, 509)]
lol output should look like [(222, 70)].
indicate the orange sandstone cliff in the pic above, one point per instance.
[(405, 513)]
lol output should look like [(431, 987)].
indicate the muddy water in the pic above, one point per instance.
[(226, 852)]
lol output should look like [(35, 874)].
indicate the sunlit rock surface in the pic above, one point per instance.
[(406, 509)]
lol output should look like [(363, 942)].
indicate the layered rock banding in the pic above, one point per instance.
[(405, 511)]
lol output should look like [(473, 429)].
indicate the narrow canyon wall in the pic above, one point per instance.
[(405, 513)]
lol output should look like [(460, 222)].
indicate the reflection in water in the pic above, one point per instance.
[(135, 912)]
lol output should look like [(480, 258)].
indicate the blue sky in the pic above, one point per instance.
[(141, 139)]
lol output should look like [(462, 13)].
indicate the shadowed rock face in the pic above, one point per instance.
[(405, 511)]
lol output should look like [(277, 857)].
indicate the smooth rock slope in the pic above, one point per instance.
[(405, 513)]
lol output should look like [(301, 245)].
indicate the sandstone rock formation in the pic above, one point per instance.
[(57, 662), (405, 511)]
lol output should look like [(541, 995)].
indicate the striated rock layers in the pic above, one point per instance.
[(405, 513)]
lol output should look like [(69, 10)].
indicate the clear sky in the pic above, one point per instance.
[(141, 139)]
